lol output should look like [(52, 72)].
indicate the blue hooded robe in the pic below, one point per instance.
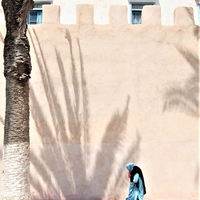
[(136, 188)]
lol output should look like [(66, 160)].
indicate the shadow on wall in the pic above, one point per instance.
[(1, 40), (185, 98), (1, 120), (63, 166)]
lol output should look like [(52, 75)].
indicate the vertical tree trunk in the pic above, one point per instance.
[(17, 68)]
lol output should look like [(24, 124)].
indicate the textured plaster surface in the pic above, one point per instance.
[(105, 95)]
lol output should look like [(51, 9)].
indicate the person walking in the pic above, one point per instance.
[(137, 188)]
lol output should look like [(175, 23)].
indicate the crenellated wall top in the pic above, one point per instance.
[(151, 15)]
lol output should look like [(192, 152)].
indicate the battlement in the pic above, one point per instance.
[(151, 15)]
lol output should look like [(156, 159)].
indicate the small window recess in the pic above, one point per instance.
[(136, 11), (35, 16)]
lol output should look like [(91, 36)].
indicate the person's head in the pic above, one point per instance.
[(129, 167)]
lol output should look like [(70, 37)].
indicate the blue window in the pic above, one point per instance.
[(136, 11), (35, 16)]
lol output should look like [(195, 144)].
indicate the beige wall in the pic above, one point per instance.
[(105, 95)]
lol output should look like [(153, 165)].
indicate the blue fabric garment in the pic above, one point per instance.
[(130, 166), (135, 193)]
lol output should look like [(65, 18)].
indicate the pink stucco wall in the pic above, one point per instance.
[(102, 96)]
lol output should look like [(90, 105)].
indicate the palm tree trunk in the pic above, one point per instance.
[(17, 68)]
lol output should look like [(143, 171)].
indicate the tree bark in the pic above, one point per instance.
[(17, 69)]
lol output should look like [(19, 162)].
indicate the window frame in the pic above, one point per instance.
[(139, 10)]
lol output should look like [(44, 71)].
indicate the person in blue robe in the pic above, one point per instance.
[(137, 188)]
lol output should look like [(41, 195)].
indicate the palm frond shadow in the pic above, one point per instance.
[(69, 160), (45, 132), (111, 142), (116, 126), (190, 12), (1, 38), (132, 156), (185, 98), (1, 120), (196, 180), (196, 32)]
